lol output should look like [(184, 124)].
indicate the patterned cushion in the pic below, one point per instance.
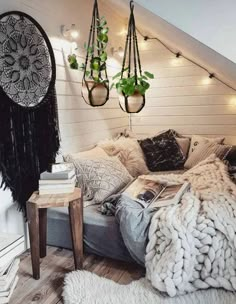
[(100, 178), (197, 139), (204, 150), (162, 152)]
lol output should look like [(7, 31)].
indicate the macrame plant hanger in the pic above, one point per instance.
[(132, 50), (95, 85)]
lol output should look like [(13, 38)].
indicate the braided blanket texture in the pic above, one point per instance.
[(192, 245)]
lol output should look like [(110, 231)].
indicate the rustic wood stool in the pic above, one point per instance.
[(37, 220)]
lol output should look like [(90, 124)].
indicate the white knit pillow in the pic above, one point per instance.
[(100, 178)]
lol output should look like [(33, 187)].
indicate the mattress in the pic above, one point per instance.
[(101, 233)]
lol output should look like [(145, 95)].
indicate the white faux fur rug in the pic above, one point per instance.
[(83, 287)]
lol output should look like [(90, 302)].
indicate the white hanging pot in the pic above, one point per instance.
[(135, 102), (95, 94)]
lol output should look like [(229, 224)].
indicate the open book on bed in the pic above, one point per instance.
[(151, 194)]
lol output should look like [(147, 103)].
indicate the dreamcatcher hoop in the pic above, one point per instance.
[(17, 34)]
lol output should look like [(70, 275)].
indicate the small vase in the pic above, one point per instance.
[(99, 93), (135, 102)]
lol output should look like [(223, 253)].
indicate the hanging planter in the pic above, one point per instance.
[(132, 85), (95, 83)]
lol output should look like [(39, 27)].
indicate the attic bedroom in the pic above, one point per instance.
[(117, 152)]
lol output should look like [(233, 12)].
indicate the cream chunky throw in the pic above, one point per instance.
[(192, 245)]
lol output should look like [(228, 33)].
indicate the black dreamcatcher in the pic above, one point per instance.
[(29, 130)]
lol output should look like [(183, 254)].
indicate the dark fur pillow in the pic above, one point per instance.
[(162, 152)]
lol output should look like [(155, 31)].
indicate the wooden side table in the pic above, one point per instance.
[(37, 220)]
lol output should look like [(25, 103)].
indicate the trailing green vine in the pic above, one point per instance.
[(96, 53)]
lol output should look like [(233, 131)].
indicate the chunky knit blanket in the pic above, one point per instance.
[(192, 245)]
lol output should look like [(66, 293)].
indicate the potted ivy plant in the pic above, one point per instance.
[(95, 84), (133, 88)]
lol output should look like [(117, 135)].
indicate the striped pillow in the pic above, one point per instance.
[(204, 150)]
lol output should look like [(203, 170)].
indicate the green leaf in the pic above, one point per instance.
[(141, 89), (119, 90), (145, 84), (95, 64), (149, 75), (74, 66), (96, 78), (112, 86), (116, 75), (105, 30), (73, 62), (103, 38), (142, 77), (90, 50), (82, 66), (103, 56)]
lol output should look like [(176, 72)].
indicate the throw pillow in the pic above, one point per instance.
[(204, 150), (100, 178), (129, 153), (162, 152), (184, 143), (197, 139), (89, 154)]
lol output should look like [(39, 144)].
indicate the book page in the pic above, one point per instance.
[(170, 195), (144, 191)]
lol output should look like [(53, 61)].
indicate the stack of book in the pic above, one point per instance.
[(60, 180), (11, 246)]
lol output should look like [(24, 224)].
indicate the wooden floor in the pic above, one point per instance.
[(53, 268)]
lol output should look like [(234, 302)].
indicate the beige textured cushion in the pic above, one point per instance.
[(91, 154), (204, 150), (129, 153), (94, 153), (197, 139)]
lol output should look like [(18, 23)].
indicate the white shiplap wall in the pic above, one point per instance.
[(81, 126), (184, 98)]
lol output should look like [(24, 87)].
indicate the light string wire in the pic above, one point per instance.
[(179, 54)]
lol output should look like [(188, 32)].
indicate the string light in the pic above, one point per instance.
[(179, 54), (211, 75)]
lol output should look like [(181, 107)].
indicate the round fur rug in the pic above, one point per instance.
[(83, 287)]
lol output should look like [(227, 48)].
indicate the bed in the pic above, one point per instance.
[(101, 233)]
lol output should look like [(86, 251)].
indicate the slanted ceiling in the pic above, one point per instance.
[(182, 96)]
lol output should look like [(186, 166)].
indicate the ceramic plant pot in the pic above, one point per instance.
[(135, 102), (98, 96)]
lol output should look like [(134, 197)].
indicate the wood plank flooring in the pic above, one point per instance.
[(53, 268)]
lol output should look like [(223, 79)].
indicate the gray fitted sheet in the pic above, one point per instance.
[(101, 233)]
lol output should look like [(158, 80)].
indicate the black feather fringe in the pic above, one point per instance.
[(29, 142)]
